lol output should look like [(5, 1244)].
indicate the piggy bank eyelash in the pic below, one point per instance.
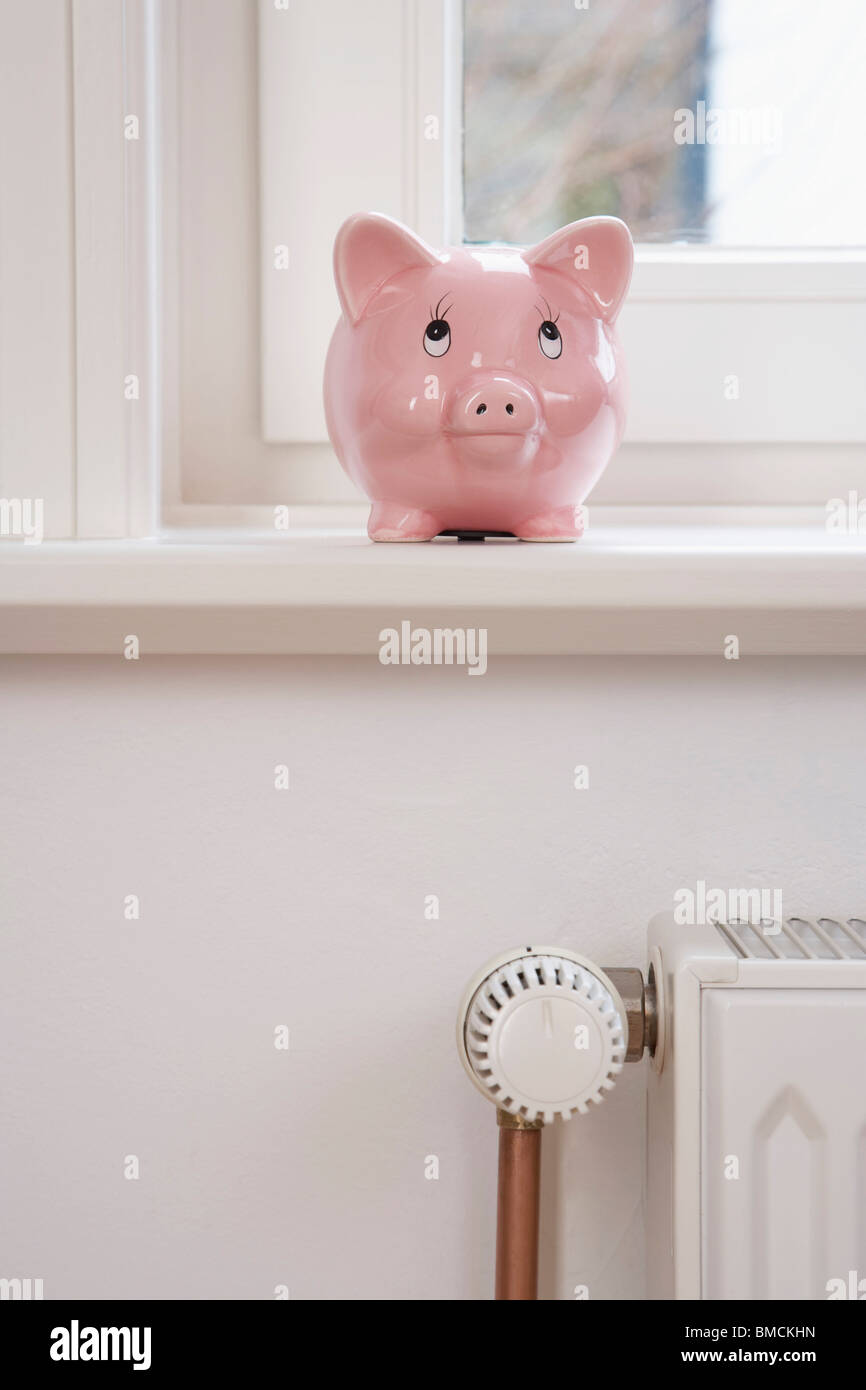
[(437, 334)]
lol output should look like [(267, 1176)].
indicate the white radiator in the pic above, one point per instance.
[(757, 1111)]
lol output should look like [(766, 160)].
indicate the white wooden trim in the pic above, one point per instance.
[(348, 95), (37, 277), (686, 475), (629, 590), (117, 209), (432, 178), (241, 525), (703, 275), (331, 139), (452, 105), (738, 370), (782, 330), (78, 269), (141, 22), (100, 269), (168, 329)]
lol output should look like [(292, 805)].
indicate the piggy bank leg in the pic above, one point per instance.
[(562, 524), (389, 521)]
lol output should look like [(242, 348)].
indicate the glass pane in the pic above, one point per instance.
[(716, 121)]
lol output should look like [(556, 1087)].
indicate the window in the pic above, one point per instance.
[(717, 122), (744, 337), (193, 254)]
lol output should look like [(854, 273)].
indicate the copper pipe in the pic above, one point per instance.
[(517, 1207)]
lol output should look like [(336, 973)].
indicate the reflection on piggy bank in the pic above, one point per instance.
[(478, 388)]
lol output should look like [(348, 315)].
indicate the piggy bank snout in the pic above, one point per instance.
[(496, 404)]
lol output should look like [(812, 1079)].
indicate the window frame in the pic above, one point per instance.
[(750, 308), (128, 462)]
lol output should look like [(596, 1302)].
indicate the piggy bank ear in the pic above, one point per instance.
[(369, 250), (597, 254)]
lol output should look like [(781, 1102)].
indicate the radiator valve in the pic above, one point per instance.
[(543, 1032)]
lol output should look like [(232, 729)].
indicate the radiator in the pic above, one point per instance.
[(756, 1177)]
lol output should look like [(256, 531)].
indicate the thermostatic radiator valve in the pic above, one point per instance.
[(544, 1033)]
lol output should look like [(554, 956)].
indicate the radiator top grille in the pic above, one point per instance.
[(797, 938)]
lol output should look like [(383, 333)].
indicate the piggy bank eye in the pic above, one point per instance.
[(437, 337), (550, 339)]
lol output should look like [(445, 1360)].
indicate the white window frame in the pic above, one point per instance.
[(78, 250), (747, 312), (790, 325)]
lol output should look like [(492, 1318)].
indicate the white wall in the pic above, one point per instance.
[(305, 907)]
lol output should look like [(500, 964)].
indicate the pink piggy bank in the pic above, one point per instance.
[(477, 389)]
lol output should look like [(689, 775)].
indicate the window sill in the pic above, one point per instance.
[(639, 583)]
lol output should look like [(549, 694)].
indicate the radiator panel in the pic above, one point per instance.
[(757, 1111), (775, 1111)]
